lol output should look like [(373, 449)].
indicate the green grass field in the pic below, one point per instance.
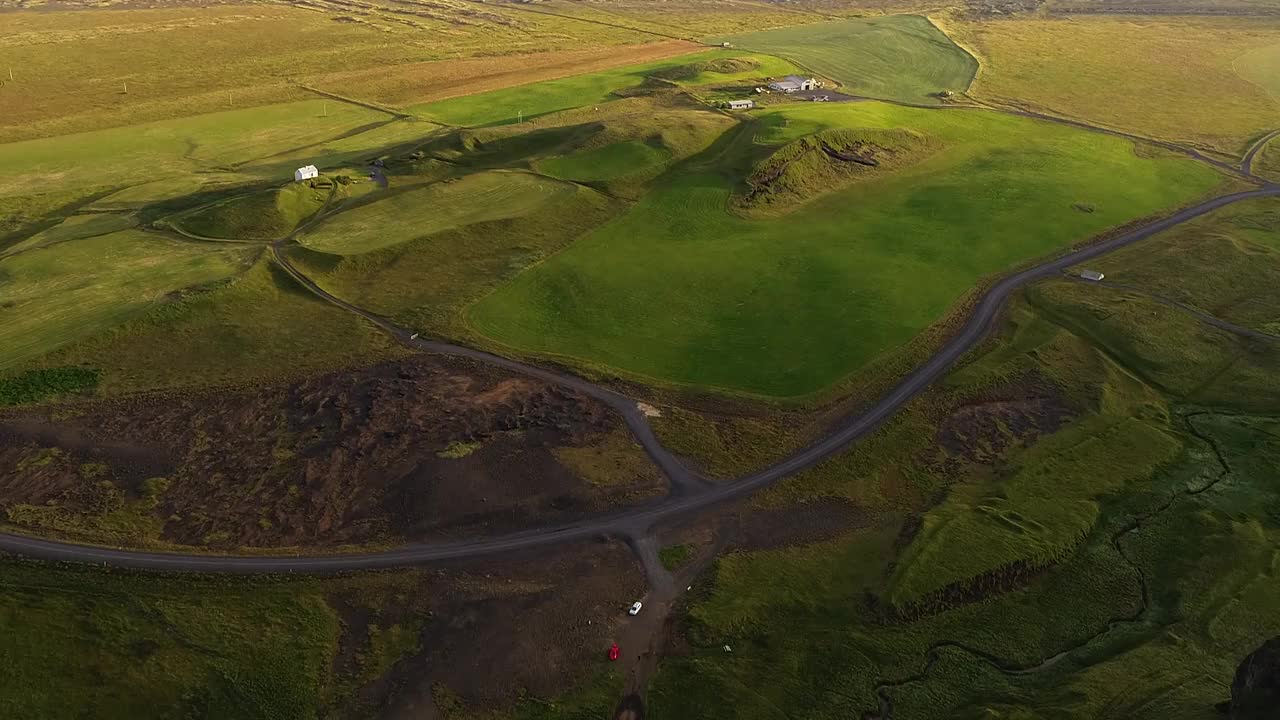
[(72, 290), (536, 99), (680, 290), (425, 283), (896, 57), (140, 153), (419, 212), (607, 162)]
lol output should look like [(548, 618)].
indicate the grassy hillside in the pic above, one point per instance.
[(681, 290), (75, 289), (264, 215), (259, 327), (897, 57), (423, 211)]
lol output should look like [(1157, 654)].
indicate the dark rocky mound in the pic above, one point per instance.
[(1255, 692)]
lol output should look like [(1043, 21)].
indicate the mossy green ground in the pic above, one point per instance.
[(149, 647), (1139, 623), (1238, 247), (530, 101), (681, 290), (897, 57)]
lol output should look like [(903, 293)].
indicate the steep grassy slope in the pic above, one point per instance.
[(265, 215)]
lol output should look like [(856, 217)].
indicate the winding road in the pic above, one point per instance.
[(690, 493)]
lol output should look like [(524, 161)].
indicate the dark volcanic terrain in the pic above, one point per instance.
[(426, 447)]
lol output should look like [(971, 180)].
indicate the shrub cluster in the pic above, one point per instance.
[(36, 385)]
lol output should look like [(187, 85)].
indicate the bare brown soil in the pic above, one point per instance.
[(443, 79), (527, 624), (803, 524), (982, 430), (413, 449)]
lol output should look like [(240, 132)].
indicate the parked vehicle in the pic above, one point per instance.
[(635, 608)]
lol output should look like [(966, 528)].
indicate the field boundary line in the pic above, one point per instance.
[(353, 101), (619, 26)]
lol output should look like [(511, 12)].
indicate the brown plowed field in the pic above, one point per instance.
[(442, 79)]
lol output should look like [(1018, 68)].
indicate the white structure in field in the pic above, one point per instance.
[(1091, 275), (741, 104), (306, 172), (794, 83)]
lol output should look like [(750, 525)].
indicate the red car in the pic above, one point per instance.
[(614, 652)]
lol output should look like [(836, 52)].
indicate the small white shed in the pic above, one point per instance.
[(741, 104), (1091, 275), (306, 172)]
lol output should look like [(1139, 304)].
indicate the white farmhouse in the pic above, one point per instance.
[(306, 172)]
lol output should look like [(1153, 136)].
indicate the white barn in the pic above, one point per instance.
[(306, 172), (794, 83), (741, 104)]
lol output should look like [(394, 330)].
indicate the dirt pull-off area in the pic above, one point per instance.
[(474, 638), (407, 450)]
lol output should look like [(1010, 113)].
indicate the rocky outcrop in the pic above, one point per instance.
[(1255, 692)]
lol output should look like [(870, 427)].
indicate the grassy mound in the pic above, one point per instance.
[(817, 164), (719, 66), (636, 148), (425, 210), (267, 215)]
